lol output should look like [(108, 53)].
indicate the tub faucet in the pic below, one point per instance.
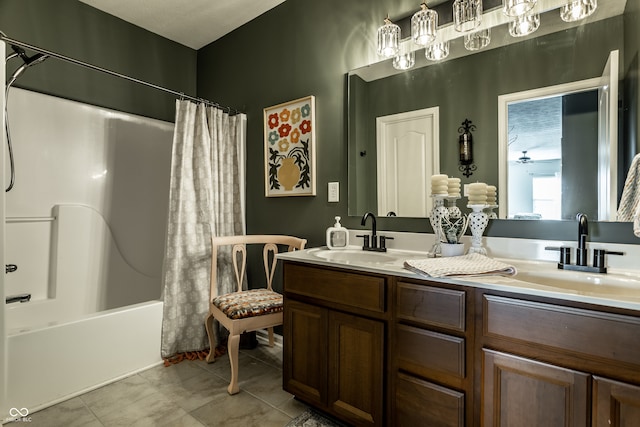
[(17, 298), (583, 233)]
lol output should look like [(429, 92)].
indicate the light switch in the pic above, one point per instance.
[(334, 192), (466, 190)]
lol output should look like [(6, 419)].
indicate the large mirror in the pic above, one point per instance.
[(468, 86)]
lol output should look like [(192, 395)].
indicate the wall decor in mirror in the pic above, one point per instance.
[(470, 84)]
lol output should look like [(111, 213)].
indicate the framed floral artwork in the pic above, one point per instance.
[(289, 148)]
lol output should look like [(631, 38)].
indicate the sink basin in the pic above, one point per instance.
[(547, 275), (355, 256)]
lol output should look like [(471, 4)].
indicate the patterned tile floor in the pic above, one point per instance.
[(191, 393)]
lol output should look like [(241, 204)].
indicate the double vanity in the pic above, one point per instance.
[(375, 344)]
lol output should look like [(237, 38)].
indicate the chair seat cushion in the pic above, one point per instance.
[(254, 302)]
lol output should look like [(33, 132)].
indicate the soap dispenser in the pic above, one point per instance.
[(337, 236)]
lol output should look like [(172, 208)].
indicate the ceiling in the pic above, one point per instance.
[(193, 23)]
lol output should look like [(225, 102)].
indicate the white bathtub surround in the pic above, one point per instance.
[(207, 186), (85, 224)]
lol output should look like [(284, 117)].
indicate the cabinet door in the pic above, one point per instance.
[(615, 404), (356, 368), (519, 392), (305, 352)]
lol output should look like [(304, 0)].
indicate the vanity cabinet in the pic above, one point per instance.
[(384, 350), (433, 355), (545, 363), (334, 341)]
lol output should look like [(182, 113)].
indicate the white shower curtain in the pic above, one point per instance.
[(206, 196)]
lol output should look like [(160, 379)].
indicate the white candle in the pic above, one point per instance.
[(439, 185), (477, 193)]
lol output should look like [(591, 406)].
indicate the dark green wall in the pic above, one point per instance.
[(305, 47), (73, 29)]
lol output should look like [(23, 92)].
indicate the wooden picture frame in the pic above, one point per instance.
[(290, 148)]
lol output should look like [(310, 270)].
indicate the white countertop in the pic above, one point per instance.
[(619, 288)]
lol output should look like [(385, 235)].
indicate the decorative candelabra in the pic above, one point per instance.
[(489, 211), (454, 211), (478, 221), (438, 212)]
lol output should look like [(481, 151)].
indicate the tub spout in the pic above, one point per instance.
[(17, 298)]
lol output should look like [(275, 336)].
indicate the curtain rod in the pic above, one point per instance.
[(11, 41)]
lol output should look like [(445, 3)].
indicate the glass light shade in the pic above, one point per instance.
[(437, 51), (404, 61), (467, 14), (578, 9), (423, 26), (477, 40), (517, 7), (388, 39), (524, 25)]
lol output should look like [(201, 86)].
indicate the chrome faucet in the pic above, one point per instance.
[(371, 242)]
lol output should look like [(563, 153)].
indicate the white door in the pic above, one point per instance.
[(407, 147)]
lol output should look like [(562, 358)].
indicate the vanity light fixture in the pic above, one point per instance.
[(437, 51), (578, 9), (478, 40), (388, 39), (467, 15), (515, 8), (423, 25), (465, 141), (524, 25), (404, 61)]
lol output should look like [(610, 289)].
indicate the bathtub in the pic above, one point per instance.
[(70, 339), (85, 225)]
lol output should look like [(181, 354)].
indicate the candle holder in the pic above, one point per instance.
[(478, 221), (489, 211), (438, 212), (454, 211)]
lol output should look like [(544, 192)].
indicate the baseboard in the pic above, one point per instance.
[(262, 335)]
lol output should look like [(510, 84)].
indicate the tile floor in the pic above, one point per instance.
[(191, 393)]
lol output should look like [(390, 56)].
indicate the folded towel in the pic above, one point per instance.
[(465, 265), (636, 222)]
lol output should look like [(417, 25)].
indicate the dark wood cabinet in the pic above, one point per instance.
[(432, 356), (615, 404), (305, 352), (518, 392), (378, 350), (334, 342)]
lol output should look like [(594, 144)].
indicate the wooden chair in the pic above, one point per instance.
[(246, 310)]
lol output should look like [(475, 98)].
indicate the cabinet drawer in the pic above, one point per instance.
[(419, 351), (352, 289), (605, 336), (431, 306), (421, 403)]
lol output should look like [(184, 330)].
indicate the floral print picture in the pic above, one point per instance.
[(289, 148)]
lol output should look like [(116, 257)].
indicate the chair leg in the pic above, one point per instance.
[(272, 340), (208, 323), (232, 349)]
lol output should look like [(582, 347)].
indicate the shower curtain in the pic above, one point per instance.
[(206, 196)]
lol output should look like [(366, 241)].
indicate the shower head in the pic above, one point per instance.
[(28, 62)]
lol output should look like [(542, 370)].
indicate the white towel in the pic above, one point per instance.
[(629, 209), (465, 265)]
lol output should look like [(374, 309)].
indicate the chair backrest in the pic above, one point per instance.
[(239, 255)]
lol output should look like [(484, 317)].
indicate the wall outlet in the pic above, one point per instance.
[(334, 192)]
